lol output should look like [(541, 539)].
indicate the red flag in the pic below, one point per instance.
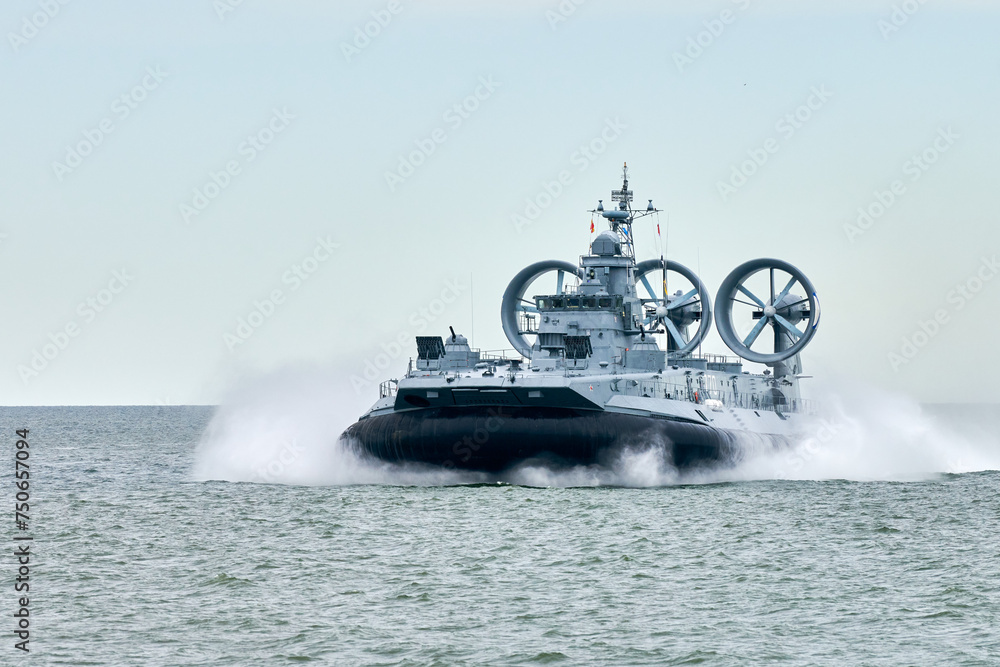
[(591, 226), (657, 229)]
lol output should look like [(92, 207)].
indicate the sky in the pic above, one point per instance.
[(196, 193)]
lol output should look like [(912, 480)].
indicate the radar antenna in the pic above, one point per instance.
[(621, 220)]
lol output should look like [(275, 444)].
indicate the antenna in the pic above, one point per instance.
[(699, 273), (624, 195), (621, 219), (663, 264), (662, 245), (622, 223), (666, 253)]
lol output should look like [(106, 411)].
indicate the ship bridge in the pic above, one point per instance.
[(619, 306)]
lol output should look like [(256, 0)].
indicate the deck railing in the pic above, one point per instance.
[(388, 388), (693, 392)]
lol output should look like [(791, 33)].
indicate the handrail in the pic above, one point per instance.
[(682, 391)]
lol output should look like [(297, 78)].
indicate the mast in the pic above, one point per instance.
[(622, 222)]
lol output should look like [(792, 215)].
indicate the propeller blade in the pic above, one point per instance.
[(683, 300), (772, 287), (675, 334), (649, 288), (559, 281), (788, 325), (526, 309), (751, 296), (792, 305), (756, 332), (788, 288)]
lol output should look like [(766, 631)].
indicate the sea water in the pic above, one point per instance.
[(245, 535)]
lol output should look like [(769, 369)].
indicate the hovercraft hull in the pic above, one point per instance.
[(492, 439)]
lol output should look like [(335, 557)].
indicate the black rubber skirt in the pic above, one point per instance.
[(492, 439)]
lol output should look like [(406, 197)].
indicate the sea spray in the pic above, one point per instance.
[(285, 428), (867, 434), (643, 466)]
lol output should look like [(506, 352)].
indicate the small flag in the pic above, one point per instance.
[(657, 229), (591, 225)]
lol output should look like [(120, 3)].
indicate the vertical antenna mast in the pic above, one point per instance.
[(624, 225), (663, 258)]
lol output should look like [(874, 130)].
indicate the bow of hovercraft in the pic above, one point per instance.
[(465, 421)]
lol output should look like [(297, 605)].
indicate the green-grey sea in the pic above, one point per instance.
[(139, 557)]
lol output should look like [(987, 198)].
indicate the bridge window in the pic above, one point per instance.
[(590, 303)]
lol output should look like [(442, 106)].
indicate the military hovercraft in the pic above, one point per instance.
[(588, 376)]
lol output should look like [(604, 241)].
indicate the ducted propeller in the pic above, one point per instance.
[(677, 311), (518, 315), (762, 294)]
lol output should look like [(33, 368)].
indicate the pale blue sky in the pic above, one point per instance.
[(162, 337)]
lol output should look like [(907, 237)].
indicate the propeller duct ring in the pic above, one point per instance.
[(732, 289), (656, 265), (514, 295)]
